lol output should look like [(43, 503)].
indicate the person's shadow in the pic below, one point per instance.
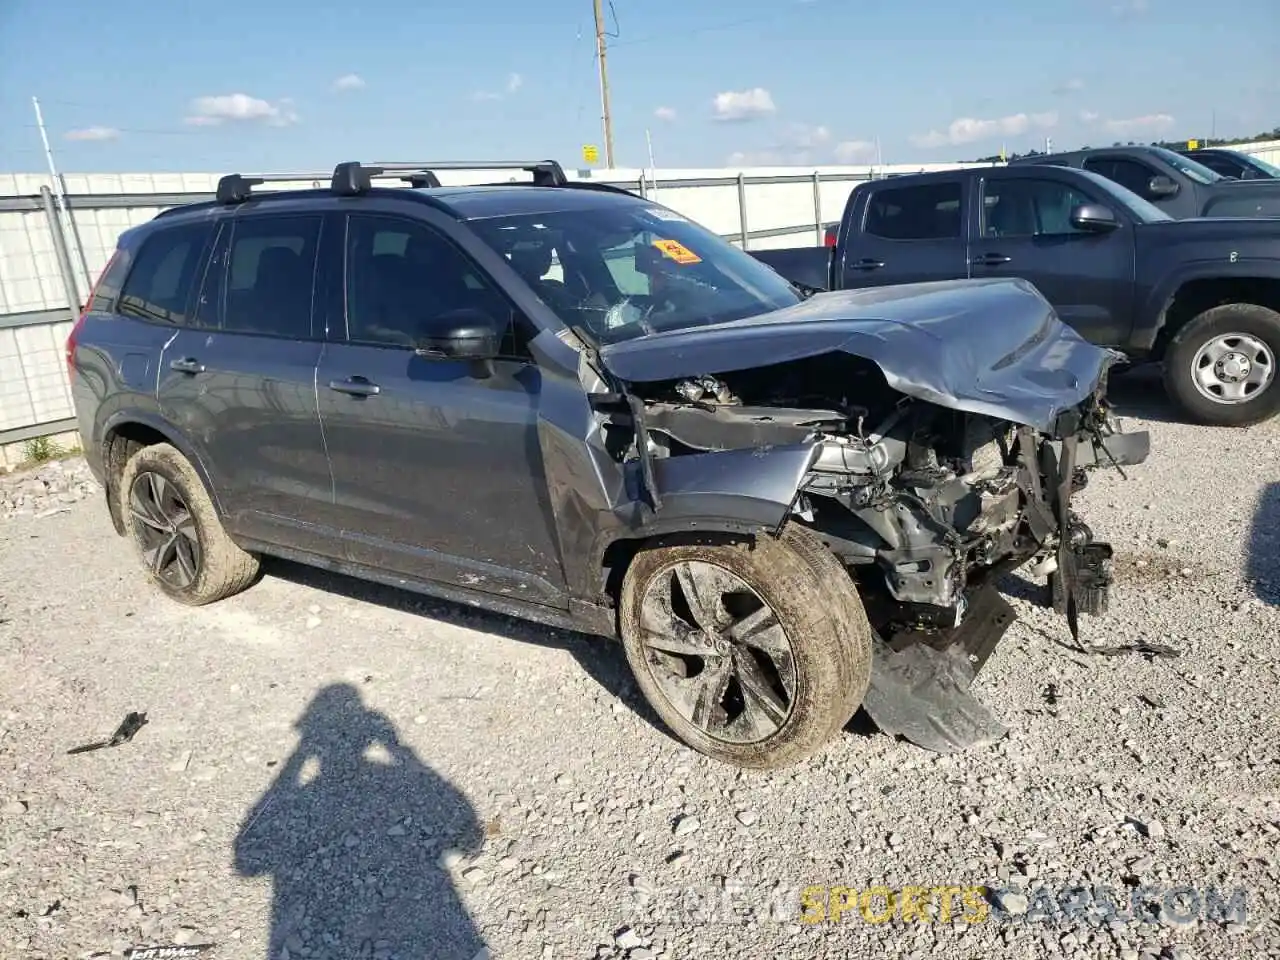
[(354, 832)]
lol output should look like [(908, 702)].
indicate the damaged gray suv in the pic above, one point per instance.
[(561, 401)]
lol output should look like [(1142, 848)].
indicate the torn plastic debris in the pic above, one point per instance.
[(132, 723), (922, 694)]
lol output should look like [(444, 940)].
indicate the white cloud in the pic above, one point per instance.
[(969, 129), (240, 108), (93, 133), (855, 151), (514, 83), (741, 105), (349, 81), (1149, 123), (1074, 85), (803, 137), (666, 114), (1088, 116)]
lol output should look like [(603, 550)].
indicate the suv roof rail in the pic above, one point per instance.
[(352, 177), (238, 187)]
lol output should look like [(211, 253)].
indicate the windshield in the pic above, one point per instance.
[(619, 272), (1144, 211), (1192, 168)]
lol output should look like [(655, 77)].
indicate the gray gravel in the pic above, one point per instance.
[(346, 771)]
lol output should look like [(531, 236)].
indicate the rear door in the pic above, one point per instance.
[(239, 381), (1024, 230), (907, 234)]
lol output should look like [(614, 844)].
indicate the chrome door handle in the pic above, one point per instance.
[(187, 365), (355, 387)]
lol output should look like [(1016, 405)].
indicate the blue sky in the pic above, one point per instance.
[(287, 84)]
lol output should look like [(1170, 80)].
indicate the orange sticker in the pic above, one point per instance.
[(677, 251)]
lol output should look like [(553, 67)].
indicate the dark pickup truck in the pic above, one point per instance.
[(1233, 163), (1178, 185), (1201, 296)]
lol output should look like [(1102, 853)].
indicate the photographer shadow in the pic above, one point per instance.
[(352, 833)]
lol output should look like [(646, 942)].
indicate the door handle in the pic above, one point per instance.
[(355, 387), (187, 365), (866, 263), (990, 260)]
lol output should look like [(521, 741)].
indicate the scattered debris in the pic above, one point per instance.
[(130, 725)]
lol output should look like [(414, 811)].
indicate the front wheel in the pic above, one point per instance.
[(755, 654), (1221, 368)]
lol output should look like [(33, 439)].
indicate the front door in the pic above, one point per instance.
[(1025, 230), (437, 463), (239, 382)]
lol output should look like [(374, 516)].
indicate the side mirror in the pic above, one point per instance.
[(467, 334), (1160, 186), (1094, 217)]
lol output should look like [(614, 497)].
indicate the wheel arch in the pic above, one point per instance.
[(1188, 297), (128, 432)]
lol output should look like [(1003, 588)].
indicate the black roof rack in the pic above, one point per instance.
[(353, 178), (238, 187)]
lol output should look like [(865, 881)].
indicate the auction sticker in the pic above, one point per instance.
[(677, 251)]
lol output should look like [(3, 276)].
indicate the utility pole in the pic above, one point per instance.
[(60, 191), (606, 114)]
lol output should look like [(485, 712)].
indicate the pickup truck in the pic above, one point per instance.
[(1201, 296), (1178, 185)]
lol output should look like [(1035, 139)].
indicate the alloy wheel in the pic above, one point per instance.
[(165, 530), (718, 652)]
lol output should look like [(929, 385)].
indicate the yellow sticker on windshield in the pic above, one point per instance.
[(677, 251)]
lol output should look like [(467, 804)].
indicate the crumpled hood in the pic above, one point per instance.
[(992, 347)]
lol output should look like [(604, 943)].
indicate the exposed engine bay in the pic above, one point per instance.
[(925, 505)]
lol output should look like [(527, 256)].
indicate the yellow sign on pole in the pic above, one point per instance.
[(590, 153), (1193, 144)]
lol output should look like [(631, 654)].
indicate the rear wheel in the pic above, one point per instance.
[(753, 654), (175, 528), (1221, 368)]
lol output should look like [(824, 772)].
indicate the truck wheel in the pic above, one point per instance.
[(1221, 368), (753, 654), (173, 524)]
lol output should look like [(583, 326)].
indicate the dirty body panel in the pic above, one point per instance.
[(932, 436)]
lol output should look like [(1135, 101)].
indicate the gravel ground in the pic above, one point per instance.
[(330, 769)]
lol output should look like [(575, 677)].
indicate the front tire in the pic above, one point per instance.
[(755, 654), (172, 522), (1221, 368)]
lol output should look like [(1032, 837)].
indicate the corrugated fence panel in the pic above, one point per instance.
[(33, 377)]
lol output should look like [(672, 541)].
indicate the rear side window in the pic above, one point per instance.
[(1223, 165), (267, 276), (926, 212), (159, 285)]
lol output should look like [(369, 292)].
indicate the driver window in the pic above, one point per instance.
[(1029, 207), (403, 276)]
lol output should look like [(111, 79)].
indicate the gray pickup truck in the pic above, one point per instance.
[(1201, 296)]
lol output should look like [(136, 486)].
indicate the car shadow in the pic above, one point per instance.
[(1262, 560), (354, 833), (1139, 392), (600, 658)]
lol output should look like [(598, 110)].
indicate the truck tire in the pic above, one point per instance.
[(755, 654), (1221, 368), (173, 524)]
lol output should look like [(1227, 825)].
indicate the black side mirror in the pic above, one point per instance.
[(1094, 217), (467, 334), (1159, 187)]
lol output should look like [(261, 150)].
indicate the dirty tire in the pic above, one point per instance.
[(1248, 319), (223, 568), (815, 603)]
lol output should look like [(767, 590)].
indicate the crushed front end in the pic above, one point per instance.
[(927, 507)]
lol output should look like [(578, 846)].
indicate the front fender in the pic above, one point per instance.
[(731, 491)]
